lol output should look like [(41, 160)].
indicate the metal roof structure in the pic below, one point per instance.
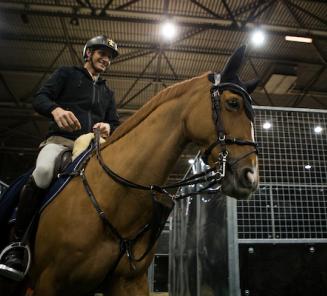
[(39, 36)]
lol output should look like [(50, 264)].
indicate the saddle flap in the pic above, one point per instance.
[(62, 162)]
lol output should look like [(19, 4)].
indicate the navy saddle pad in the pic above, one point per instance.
[(10, 198)]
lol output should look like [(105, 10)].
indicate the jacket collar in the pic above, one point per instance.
[(87, 74)]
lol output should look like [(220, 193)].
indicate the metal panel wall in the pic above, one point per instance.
[(289, 207)]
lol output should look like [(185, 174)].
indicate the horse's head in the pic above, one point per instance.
[(228, 140)]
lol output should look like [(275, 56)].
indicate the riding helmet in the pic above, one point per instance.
[(99, 42)]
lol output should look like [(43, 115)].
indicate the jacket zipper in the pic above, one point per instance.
[(92, 104)]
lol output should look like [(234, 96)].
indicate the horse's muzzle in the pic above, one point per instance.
[(240, 183), (248, 178)]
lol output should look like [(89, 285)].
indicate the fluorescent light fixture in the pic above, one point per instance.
[(307, 166), (298, 39), (191, 161), (318, 129), (267, 125), (258, 37), (168, 30)]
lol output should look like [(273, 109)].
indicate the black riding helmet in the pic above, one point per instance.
[(101, 41)]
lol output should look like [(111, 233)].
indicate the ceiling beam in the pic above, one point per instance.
[(140, 75), (310, 84), (49, 68), (135, 95), (105, 7), (206, 9), (289, 5), (148, 47), (115, 74), (129, 3), (9, 90), (252, 6), (230, 14), (256, 12), (147, 18), (264, 88), (317, 18), (170, 66)]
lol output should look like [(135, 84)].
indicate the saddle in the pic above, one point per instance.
[(66, 163), (68, 155)]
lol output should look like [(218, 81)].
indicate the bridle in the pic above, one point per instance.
[(222, 140), (211, 177)]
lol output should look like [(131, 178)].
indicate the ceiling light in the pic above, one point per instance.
[(266, 125), (298, 39), (168, 30), (307, 167), (318, 129), (258, 37)]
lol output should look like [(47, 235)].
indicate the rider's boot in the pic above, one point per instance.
[(13, 264)]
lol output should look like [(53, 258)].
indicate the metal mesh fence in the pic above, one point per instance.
[(291, 144), (291, 202)]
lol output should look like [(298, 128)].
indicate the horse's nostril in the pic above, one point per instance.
[(249, 177)]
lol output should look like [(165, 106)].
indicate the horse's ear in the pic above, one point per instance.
[(251, 85), (234, 63)]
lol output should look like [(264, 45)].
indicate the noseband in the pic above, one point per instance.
[(222, 140)]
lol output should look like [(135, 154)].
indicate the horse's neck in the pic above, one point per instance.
[(147, 153)]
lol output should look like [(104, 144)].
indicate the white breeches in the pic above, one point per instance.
[(45, 163)]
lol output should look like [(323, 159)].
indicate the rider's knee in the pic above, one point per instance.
[(43, 176)]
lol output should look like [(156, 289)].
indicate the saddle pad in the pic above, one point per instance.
[(10, 197), (64, 179), (82, 143)]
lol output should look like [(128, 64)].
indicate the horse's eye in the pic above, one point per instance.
[(234, 104)]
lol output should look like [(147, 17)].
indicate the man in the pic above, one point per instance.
[(76, 100)]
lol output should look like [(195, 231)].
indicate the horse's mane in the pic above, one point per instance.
[(163, 96)]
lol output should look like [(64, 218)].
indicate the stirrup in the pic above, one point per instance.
[(13, 273)]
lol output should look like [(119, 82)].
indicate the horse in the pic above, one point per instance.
[(89, 236)]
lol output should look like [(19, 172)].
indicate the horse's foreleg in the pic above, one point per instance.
[(121, 286)]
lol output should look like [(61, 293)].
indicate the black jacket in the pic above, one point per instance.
[(73, 89)]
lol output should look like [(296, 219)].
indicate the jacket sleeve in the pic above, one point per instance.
[(44, 100), (111, 115)]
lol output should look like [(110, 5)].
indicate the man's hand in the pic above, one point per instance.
[(104, 129), (66, 120)]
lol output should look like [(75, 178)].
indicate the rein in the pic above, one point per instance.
[(195, 179), (212, 176)]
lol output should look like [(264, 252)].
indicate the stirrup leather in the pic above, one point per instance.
[(13, 273)]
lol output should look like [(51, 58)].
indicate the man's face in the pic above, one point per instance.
[(101, 60)]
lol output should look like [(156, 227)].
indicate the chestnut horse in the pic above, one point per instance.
[(75, 252)]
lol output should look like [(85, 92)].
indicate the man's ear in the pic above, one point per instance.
[(88, 53)]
